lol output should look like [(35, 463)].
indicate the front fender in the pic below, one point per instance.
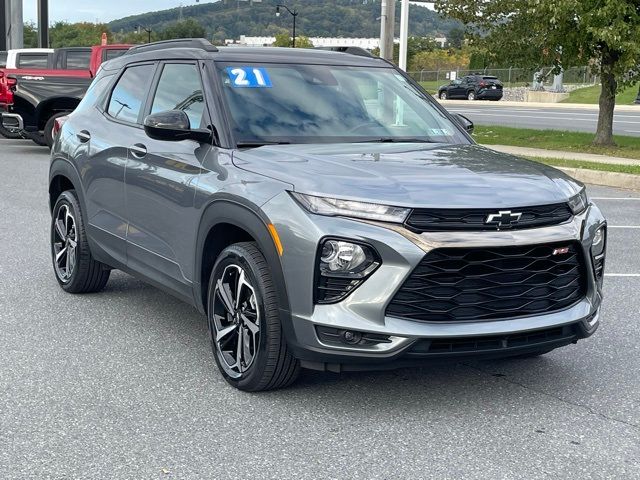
[(249, 218)]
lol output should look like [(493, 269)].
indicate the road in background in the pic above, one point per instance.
[(122, 384), (556, 118)]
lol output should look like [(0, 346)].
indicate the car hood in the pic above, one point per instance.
[(411, 175)]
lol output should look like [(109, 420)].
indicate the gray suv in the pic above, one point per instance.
[(321, 210)]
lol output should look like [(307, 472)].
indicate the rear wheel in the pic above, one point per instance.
[(243, 315), (10, 134), (48, 128), (37, 138), (74, 266), (471, 95)]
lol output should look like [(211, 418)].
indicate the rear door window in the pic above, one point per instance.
[(78, 59), (130, 93), (112, 53)]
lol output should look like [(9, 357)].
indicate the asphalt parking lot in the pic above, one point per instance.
[(122, 384)]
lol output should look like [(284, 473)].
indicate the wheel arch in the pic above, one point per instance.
[(227, 221), (63, 176), (47, 108)]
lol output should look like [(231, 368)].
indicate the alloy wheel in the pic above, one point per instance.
[(65, 243), (235, 321)]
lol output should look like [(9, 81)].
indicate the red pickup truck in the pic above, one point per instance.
[(31, 100)]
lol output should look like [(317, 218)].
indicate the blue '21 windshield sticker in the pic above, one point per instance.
[(249, 77)]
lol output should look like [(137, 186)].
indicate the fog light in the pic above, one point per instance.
[(352, 337)]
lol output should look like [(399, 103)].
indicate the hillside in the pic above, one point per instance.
[(317, 18)]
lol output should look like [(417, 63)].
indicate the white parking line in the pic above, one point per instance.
[(634, 227), (622, 274), (615, 198)]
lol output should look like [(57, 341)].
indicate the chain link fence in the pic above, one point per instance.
[(510, 77)]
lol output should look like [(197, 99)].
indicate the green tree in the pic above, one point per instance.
[(83, 34), (455, 37), (188, 28), (284, 40), (602, 33), (30, 33)]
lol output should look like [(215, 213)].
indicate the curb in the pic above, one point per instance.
[(567, 106), (564, 155), (608, 179)]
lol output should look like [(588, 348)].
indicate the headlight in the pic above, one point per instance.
[(578, 203), (351, 208), (598, 245), (341, 267)]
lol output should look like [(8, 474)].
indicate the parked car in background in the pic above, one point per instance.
[(321, 210), (33, 99), (29, 58), (472, 87), (3, 59)]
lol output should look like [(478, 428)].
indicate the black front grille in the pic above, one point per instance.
[(468, 284), (551, 337), (433, 220)]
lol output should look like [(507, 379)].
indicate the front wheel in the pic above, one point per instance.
[(244, 325), (471, 95), (443, 95)]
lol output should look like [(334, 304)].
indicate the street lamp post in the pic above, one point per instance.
[(148, 30), (294, 14)]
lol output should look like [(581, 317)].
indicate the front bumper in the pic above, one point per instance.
[(400, 250)]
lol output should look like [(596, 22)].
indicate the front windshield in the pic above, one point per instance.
[(292, 103)]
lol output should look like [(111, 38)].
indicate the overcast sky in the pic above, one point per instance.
[(99, 10)]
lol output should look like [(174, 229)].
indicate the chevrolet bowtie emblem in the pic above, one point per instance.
[(504, 218)]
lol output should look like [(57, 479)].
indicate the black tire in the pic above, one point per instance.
[(80, 272), (471, 95), (272, 365), (48, 128), (36, 137), (10, 134), (443, 95)]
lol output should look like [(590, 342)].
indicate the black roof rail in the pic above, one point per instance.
[(200, 43), (361, 52)]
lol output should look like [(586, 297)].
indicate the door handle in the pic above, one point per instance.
[(84, 136), (138, 150)]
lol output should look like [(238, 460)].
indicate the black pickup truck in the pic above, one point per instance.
[(38, 97)]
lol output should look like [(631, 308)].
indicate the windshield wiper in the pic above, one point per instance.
[(396, 140), (260, 144)]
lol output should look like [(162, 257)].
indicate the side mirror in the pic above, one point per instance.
[(173, 126), (464, 122)]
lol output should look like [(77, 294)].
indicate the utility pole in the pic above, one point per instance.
[(13, 33), (387, 28), (43, 23), (404, 34), (3, 27)]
